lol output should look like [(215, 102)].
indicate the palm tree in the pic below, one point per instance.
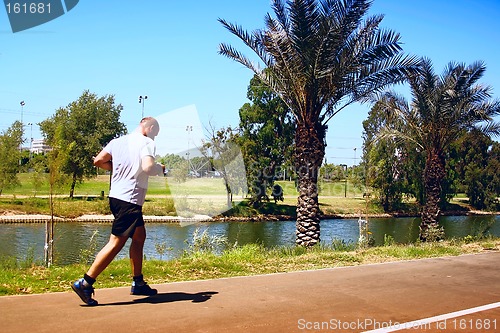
[(320, 56), (441, 109)]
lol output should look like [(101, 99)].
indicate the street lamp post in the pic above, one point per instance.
[(22, 134), (141, 101), (345, 179), (22, 110)]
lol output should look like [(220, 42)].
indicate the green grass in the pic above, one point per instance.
[(159, 186), (27, 277), (206, 195), (326, 189), (91, 187), (25, 199)]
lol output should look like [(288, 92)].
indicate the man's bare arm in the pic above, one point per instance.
[(103, 161), (152, 168)]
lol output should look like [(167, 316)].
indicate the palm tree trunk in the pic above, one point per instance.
[(434, 173), (309, 153)]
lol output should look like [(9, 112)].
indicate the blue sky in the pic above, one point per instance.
[(167, 50)]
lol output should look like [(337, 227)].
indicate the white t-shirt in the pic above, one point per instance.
[(128, 181)]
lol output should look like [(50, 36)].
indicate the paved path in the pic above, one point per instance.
[(350, 299)]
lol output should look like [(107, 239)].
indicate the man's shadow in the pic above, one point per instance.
[(169, 297)]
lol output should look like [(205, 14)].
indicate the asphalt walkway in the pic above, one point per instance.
[(453, 294)]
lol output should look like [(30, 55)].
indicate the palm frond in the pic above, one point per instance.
[(380, 74), (253, 41), (232, 53), (281, 13), (304, 19), (378, 45), (442, 107), (490, 128), (344, 42), (468, 76), (397, 136), (322, 55)]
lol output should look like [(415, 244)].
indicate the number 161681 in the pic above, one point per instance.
[(475, 324), (28, 8)]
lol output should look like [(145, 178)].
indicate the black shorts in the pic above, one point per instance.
[(128, 216)]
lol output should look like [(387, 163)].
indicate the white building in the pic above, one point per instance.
[(38, 146)]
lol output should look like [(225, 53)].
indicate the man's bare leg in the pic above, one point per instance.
[(139, 287), (106, 255), (136, 250)]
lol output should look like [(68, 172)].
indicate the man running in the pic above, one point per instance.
[(131, 159)]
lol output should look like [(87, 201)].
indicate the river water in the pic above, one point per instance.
[(23, 240)]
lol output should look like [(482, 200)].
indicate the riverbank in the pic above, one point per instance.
[(13, 217), (95, 218)]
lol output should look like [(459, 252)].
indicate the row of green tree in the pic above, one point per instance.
[(75, 133), (395, 167), (392, 165), (320, 56)]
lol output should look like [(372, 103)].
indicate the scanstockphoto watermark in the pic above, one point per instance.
[(371, 324), (366, 324), (25, 15)]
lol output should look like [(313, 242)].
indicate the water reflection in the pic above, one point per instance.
[(71, 238)]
